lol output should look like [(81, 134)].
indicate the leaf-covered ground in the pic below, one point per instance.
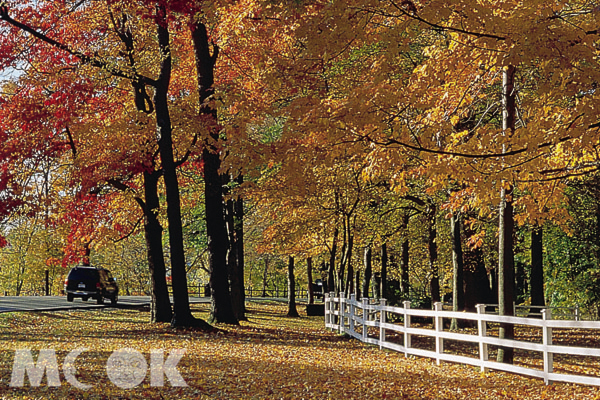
[(268, 357)]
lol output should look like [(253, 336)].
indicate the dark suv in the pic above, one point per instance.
[(86, 282)]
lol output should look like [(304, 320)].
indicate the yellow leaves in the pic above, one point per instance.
[(268, 357)]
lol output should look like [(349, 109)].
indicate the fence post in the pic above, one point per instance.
[(342, 312), (333, 318), (577, 315), (439, 327), (326, 307), (482, 328), (365, 316), (406, 327), (547, 341), (351, 324), (382, 321)]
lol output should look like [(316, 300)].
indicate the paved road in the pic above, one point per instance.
[(54, 303)]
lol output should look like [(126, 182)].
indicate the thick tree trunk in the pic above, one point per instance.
[(477, 284), (404, 260), (383, 276), (309, 274), (368, 272), (537, 267), (292, 311), (506, 275), (458, 294), (160, 307), (236, 289), (221, 307), (235, 253), (506, 259), (182, 315), (238, 218)]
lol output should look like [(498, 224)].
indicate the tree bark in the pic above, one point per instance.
[(237, 301), (340, 273), (238, 218), (160, 307), (537, 267), (404, 260), (383, 284), (235, 253), (331, 270), (458, 294), (477, 283), (348, 262), (433, 255), (292, 311), (221, 307), (368, 272), (506, 260)]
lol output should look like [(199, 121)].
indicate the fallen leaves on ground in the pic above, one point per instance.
[(268, 357)]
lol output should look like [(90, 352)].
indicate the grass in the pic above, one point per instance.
[(268, 357)]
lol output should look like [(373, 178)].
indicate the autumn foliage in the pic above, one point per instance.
[(346, 127)]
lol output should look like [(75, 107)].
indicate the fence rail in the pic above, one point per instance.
[(354, 318)]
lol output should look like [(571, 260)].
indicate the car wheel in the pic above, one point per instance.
[(69, 297), (114, 299), (100, 300)]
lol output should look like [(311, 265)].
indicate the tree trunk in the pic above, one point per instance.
[(383, 283), (160, 307), (537, 267), (238, 219), (506, 260), (348, 262), (368, 272), (182, 315), (458, 294), (404, 260), (235, 255), (292, 311), (237, 301), (477, 283), (376, 285), (331, 269), (340, 274), (309, 274), (216, 231), (433, 255)]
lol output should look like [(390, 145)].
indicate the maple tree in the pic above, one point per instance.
[(355, 125), (433, 95), (159, 105)]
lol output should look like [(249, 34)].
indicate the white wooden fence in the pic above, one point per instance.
[(355, 317)]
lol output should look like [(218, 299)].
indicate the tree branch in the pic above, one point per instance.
[(84, 58)]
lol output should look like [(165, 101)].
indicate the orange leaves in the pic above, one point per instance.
[(268, 357)]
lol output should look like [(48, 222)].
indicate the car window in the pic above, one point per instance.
[(83, 274)]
